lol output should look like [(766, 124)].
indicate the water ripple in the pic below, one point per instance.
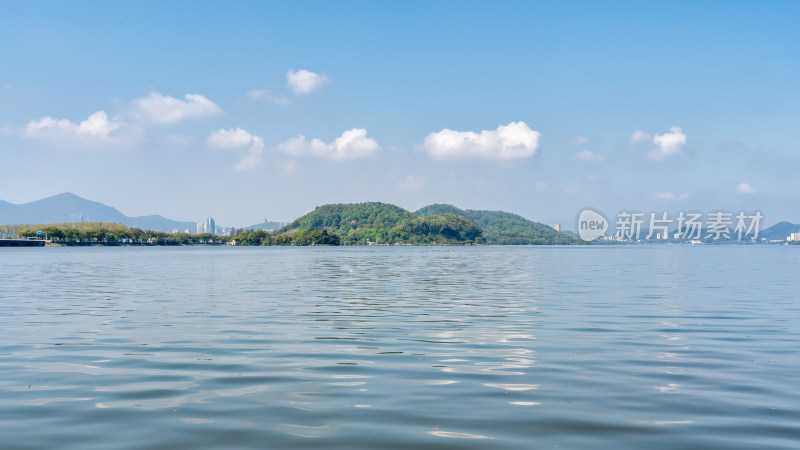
[(518, 347)]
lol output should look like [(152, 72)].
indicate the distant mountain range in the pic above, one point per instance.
[(68, 207), (266, 225), (779, 232)]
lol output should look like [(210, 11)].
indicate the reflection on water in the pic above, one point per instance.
[(399, 347)]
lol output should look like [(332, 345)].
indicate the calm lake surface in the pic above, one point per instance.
[(437, 347)]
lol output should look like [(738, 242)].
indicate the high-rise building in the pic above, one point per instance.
[(211, 226), (201, 228), (557, 227)]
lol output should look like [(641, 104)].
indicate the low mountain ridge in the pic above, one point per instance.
[(501, 227), (266, 225), (780, 231), (68, 207)]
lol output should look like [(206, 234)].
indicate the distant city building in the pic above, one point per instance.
[(201, 228), (211, 226), (557, 227), (794, 237), (187, 231)]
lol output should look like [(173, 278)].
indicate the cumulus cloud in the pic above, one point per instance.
[(165, 109), (588, 156), (507, 142), (668, 145), (669, 196), (253, 160), (232, 138), (237, 138), (305, 81), (352, 144), (96, 126), (744, 188), (639, 136)]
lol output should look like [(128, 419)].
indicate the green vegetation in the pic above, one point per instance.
[(334, 224), (437, 229), (504, 228), (299, 237), (381, 223), (109, 234), (355, 223), (104, 233)]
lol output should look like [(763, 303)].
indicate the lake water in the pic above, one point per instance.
[(440, 347)]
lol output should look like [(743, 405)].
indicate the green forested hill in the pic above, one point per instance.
[(355, 223), (440, 228), (503, 228)]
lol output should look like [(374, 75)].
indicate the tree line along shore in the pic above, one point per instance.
[(370, 223)]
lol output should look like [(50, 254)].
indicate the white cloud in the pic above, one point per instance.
[(541, 186), (232, 138), (254, 159), (744, 188), (668, 145), (304, 81), (258, 94), (352, 144), (580, 140), (669, 196), (237, 138), (411, 183), (588, 156), (639, 136), (96, 126), (507, 142), (165, 109)]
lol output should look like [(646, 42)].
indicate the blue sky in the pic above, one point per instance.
[(257, 110)]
